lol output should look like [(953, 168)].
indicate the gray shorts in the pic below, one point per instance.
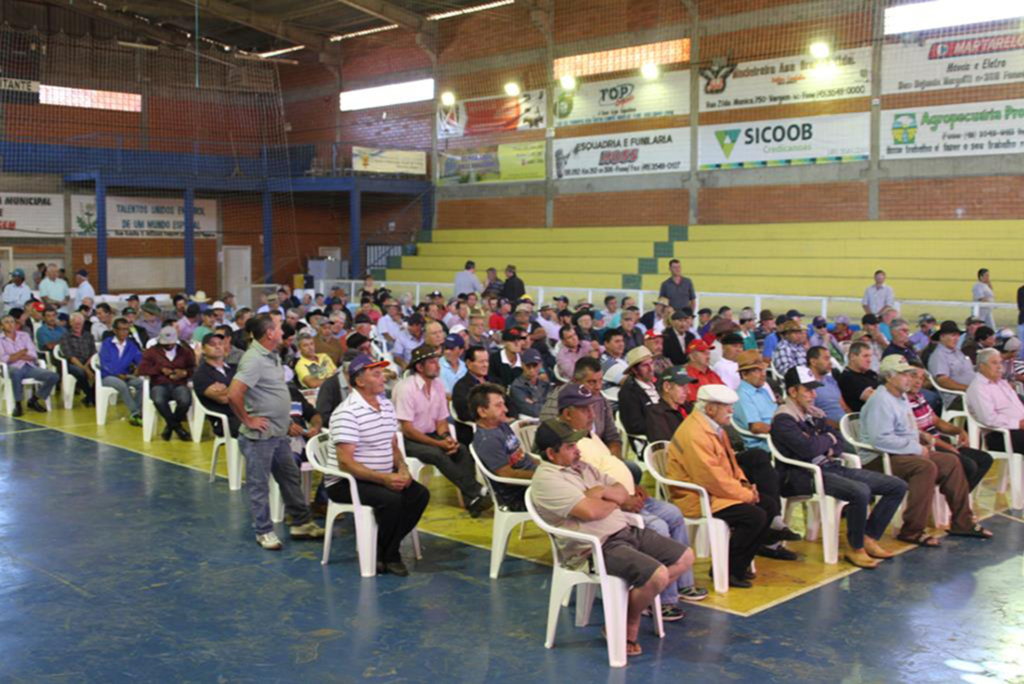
[(635, 555)]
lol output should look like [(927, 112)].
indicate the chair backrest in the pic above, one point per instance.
[(318, 455), (94, 363), (451, 412), (551, 530), (58, 353), (743, 432), (656, 457), (525, 429), (943, 390), (493, 477)]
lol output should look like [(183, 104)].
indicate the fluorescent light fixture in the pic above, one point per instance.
[(469, 10), (820, 50), (512, 89), (649, 71), (926, 16), (568, 82), (282, 51), (364, 32), (137, 46), (447, 98), (90, 99), (623, 59), (383, 96)]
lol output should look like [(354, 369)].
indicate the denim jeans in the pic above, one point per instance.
[(124, 387), (272, 457), (667, 520), (163, 395), (30, 372), (81, 380), (857, 486)]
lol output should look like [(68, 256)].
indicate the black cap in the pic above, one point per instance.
[(869, 319), (949, 327), (705, 310), (731, 338), (210, 337), (793, 313), (363, 318), (801, 375), (685, 312), (416, 319), (512, 334), (552, 434), (192, 310)]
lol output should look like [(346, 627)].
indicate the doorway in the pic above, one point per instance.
[(238, 273)]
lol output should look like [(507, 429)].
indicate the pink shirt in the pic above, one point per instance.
[(415, 406), (994, 403), (22, 341)]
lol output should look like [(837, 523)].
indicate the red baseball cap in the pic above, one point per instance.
[(650, 334), (38, 306), (697, 345)]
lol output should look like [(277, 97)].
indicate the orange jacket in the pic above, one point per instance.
[(698, 454)]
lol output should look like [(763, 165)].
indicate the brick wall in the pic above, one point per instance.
[(638, 208), (492, 212), (784, 203), (953, 198)]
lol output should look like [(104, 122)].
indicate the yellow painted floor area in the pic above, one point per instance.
[(776, 583)]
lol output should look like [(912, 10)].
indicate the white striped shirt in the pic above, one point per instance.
[(372, 431)]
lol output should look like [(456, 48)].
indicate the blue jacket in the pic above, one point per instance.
[(112, 363)]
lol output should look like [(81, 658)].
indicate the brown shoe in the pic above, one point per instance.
[(876, 550), (861, 559)]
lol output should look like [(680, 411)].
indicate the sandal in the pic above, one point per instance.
[(977, 531), (922, 539), (632, 647)]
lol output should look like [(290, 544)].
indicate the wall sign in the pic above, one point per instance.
[(664, 150), (484, 116), (623, 99), (26, 215), (786, 142), (964, 61), (492, 164), (143, 217), (377, 160), (960, 130)]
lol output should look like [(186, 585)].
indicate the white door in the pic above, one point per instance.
[(238, 273)]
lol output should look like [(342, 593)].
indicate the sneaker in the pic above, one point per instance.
[(269, 541), (693, 594), (308, 531), (478, 506), (397, 568), (668, 613), (135, 421)]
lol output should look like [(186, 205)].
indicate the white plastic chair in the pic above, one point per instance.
[(318, 454), (614, 591), (525, 430), (150, 415), (104, 395), (505, 521), (226, 442), (1014, 472), (611, 394), (27, 385), (948, 414), (712, 533), (68, 382), (455, 418)]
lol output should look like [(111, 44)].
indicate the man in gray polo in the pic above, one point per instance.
[(949, 366), (678, 289), (260, 398)]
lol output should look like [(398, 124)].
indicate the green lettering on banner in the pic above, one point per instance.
[(1013, 112), (934, 121)]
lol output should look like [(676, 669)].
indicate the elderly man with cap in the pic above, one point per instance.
[(655, 342), (949, 366), (452, 365), (699, 353), (211, 381), (364, 433), (570, 493), (16, 293), (800, 431), (422, 410), (83, 289), (506, 363), (529, 391), (588, 373), (727, 367), (169, 366), (207, 323), (678, 336), (926, 326), (888, 425), (312, 369), (665, 417), (993, 402), (700, 453), (152, 319), (21, 356), (791, 350), (327, 344), (638, 392), (409, 340)]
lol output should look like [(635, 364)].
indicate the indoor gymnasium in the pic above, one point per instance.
[(512, 341)]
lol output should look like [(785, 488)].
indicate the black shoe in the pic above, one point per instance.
[(397, 568), (739, 582), (88, 401), (786, 534), (749, 574), (478, 506), (382, 568), (778, 553), (166, 434), (18, 411), (36, 405), (182, 433)]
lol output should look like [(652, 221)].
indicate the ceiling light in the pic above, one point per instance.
[(469, 10), (385, 96), (820, 50), (282, 51), (568, 82), (649, 71), (364, 32), (512, 89), (448, 98), (925, 16)]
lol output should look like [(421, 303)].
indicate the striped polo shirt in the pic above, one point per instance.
[(372, 431)]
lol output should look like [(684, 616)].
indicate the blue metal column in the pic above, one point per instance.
[(355, 212), (428, 210), (268, 238), (190, 240), (101, 235)]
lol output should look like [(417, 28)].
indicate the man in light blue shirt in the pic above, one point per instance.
[(452, 365), (466, 281), (828, 397), (754, 411)]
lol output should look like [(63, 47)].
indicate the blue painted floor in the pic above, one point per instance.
[(119, 568)]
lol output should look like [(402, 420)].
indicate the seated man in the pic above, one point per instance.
[(656, 343), (78, 346), (900, 331), (926, 326), (871, 334), (20, 355), (697, 368), (51, 332), (422, 411), (665, 417), (858, 382), (613, 360), (791, 350), (408, 340), (574, 495), (887, 424), (632, 335), (529, 391), (477, 364), (638, 392), (211, 382), (169, 366), (452, 365), (828, 397), (573, 349), (726, 367), (497, 446), (364, 434), (756, 406), (993, 402), (101, 323), (505, 363), (984, 338), (588, 374), (678, 336), (327, 343), (948, 365), (800, 432), (120, 357), (947, 437), (312, 369)]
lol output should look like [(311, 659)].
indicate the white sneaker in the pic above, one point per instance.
[(308, 531), (269, 541)]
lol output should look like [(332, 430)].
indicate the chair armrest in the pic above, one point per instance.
[(705, 498), (596, 553), (851, 460)]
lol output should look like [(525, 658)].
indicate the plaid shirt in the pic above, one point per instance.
[(80, 347), (788, 355)]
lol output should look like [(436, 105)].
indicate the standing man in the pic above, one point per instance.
[(678, 289), (84, 288), (878, 296), (1020, 316), (982, 292), (466, 281), (54, 290), (17, 293), (259, 397), (513, 289)]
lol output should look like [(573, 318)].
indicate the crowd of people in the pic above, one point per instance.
[(390, 379)]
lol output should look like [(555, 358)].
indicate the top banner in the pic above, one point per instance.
[(622, 99), (25, 215), (790, 80), (377, 160), (144, 217), (964, 61), (490, 115)]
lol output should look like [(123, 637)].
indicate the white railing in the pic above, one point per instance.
[(1005, 314)]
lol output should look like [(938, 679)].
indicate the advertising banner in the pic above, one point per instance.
[(26, 215), (377, 160), (624, 98), (490, 115), (786, 142), (790, 80), (963, 61), (492, 164), (960, 130), (665, 150), (143, 217)]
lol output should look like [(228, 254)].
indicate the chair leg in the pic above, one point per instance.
[(830, 511), (234, 464), (585, 595), (503, 526), (556, 599), (416, 548), (276, 503), (332, 513), (197, 421), (812, 514), (366, 541), (102, 404), (217, 446), (1015, 468), (659, 621), (718, 538), (615, 597), (148, 422)]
